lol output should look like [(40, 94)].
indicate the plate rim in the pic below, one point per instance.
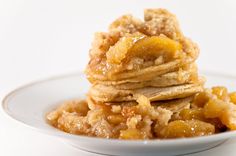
[(155, 142)]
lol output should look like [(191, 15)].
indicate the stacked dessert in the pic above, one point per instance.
[(145, 85), (150, 58)]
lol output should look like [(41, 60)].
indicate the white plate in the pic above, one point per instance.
[(30, 103)]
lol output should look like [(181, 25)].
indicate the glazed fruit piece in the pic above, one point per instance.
[(198, 114), (188, 128), (225, 111), (132, 52), (120, 50), (194, 113), (156, 46), (232, 97), (200, 99), (220, 92), (131, 134)]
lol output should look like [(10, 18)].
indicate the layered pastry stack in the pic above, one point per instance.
[(145, 85), (150, 58)]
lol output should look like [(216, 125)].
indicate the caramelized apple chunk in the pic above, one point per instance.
[(194, 113), (118, 52), (201, 99), (232, 97), (143, 47), (214, 108), (156, 46), (188, 128), (228, 117), (225, 111), (131, 134), (198, 114), (115, 119), (220, 92)]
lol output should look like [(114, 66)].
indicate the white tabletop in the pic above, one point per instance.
[(49, 37)]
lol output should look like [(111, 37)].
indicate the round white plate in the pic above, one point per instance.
[(30, 103)]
